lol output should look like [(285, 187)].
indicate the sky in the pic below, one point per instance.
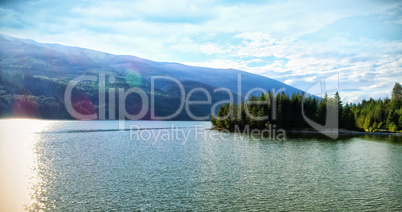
[(296, 42)]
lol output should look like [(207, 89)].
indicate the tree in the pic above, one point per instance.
[(213, 120), (397, 92), (322, 110), (340, 108), (368, 115), (347, 118)]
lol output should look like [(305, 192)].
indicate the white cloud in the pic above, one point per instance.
[(223, 64), (289, 81), (211, 48), (367, 66), (224, 35)]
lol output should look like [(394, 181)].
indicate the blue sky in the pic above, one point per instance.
[(296, 42)]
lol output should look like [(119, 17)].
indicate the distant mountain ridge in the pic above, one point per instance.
[(55, 64)]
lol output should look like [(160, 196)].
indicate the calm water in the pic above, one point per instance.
[(81, 166)]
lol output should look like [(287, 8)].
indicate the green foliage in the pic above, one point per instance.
[(347, 118), (392, 127), (257, 112), (370, 115), (397, 92), (26, 95)]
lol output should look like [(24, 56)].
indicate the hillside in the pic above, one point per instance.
[(34, 77)]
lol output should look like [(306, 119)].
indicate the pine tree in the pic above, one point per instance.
[(322, 110), (397, 92), (347, 118), (368, 115), (338, 101)]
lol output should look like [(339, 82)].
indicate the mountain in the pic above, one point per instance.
[(34, 77)]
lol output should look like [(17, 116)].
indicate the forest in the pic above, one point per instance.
[(29, 96), (23, 95), (286, 112)]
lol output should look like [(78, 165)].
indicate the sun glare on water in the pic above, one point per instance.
[(19, 178)]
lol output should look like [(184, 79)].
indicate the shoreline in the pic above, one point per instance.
[(347, 132), (340, 132)]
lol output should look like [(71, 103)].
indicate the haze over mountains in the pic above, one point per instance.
[(34, 77)]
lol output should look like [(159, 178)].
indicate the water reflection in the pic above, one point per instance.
[(96, 168), (20, 182)]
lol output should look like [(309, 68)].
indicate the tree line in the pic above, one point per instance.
[(286, 112)]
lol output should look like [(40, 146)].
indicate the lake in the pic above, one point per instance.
[(173, 165)]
